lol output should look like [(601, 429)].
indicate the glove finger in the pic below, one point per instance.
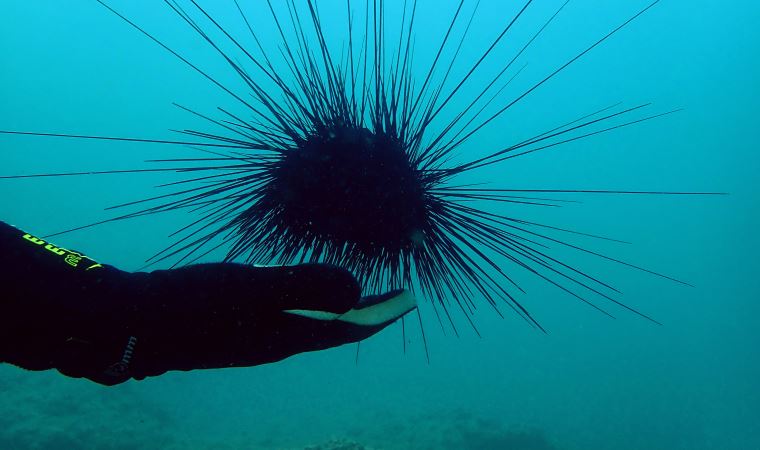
[(316, 287), (369, 316)]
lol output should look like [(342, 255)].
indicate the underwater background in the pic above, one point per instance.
[(590, 383)]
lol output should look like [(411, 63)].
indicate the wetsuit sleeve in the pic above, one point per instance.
[(58, 307)]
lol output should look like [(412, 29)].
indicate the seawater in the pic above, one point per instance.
[(591, 383)]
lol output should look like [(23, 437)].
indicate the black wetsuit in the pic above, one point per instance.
[(60, 309)]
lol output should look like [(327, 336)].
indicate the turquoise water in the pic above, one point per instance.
[(591, 383)]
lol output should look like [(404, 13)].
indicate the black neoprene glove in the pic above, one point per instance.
[(65, 311)]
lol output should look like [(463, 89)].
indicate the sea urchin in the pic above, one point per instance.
[(335, 158)]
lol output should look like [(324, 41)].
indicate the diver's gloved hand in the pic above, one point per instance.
[(233, 315), (62, 310)]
